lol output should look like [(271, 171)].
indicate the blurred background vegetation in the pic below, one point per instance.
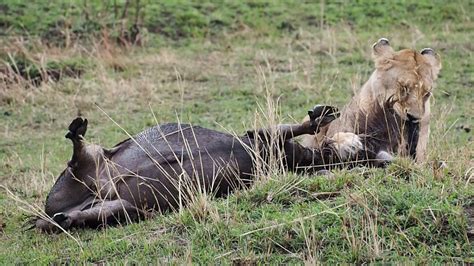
[(63, 21)]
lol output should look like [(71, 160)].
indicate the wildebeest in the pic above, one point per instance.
[(158, 169)]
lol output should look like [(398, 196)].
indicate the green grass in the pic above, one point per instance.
[(210, 63)]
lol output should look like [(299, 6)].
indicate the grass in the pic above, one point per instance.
[(213, 66)]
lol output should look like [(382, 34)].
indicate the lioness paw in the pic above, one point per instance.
[(347, 144)]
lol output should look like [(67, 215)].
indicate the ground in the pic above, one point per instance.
[(231, 66)]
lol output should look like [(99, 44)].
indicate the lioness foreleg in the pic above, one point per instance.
[(424, 135), (347, 144)]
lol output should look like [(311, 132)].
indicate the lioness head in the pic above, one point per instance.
[(405, 78)]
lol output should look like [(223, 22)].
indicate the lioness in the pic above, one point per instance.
[(391, 112)]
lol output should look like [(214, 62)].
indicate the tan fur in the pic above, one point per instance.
[(407, 77)]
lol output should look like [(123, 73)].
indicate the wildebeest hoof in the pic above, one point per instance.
[(323, 110), (43, 225), (383, 159), (322, 115), (48, 226), (62, 219), (77, 128), (324, 172), (59, 217)]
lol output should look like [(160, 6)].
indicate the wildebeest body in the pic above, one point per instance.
[(162, 167), (178, 150)]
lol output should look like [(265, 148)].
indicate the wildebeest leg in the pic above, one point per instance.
[(320, 116), (424, 133), (76, 132), (74, 184), (101, 214), (297, 157)]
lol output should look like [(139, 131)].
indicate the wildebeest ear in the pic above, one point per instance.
[(382, 53), (433, 59)]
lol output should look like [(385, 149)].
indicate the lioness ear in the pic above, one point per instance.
[(433, 59), (382, 53), (381, 47)]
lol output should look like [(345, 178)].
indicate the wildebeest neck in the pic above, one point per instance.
[(381, 128), (413, 132), (67, 193)]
